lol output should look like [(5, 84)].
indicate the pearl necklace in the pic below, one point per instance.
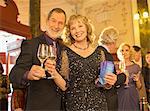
[(81, 48)]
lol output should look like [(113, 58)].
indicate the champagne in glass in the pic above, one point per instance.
[(42, 53), (122, 68), (52, 53), (52, 56)]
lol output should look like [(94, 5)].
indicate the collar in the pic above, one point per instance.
[(48, 39), (106, 48)]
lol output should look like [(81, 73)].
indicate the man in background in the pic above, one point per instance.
[(138, 60), (107, 41)]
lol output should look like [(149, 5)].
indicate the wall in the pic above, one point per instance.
[(102, 13)]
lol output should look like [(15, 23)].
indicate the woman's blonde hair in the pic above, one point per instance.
[(119, 52), (66, 36)]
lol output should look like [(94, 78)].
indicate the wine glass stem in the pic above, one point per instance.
[(42, 64)]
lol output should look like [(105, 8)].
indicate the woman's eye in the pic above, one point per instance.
[(80, 26), (72, 28)]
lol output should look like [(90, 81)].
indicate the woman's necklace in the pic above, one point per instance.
[(81, 48)]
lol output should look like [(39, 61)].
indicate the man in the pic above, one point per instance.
[(137, 55), (138, 60), (42, 94), (107, 41)]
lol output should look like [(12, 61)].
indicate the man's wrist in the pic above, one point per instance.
[(25, 81)]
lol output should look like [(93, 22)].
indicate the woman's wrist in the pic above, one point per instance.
[(107, 86)]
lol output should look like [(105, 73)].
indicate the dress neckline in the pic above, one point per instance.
[(84, 57)]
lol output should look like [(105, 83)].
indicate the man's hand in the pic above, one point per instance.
[(36, 73)]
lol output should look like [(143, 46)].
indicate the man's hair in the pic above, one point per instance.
[(108, 35), (57, 10), (136, 48)]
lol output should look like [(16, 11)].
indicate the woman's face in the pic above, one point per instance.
[(78, 30), (147, 57), (125, 52)]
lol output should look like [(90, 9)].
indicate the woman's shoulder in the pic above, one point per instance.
[(135, 66), (102, 48)]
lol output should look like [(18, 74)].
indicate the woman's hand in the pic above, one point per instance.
[(110, 78), (18, 109), (50, 66), (136, 77)]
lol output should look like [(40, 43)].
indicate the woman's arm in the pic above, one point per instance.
[(137, 79), (50, 66)]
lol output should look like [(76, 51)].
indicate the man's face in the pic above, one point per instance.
[(137, 56), (112, 47), (55, 25)]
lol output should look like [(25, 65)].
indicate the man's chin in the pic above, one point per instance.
[(54, 37)]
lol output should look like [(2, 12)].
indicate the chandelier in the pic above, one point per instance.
[(142, 17)]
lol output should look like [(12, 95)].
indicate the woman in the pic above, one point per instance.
[(146, 75), (128, 98), (83, 62)]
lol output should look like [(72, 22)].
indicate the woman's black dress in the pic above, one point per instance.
[(82, 93)]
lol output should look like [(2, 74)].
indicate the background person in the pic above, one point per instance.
[(137, 55), (128, 97), (4, 90), (107, 42), (146, 74), (138, 60)]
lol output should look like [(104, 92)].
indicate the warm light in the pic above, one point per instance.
[(136, 16), (142, 18), (145, 14)]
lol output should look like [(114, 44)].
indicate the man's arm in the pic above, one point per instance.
[(121, 78), (23, 63)]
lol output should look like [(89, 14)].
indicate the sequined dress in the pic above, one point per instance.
[(82, 93)]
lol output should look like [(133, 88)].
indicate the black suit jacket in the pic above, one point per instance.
[(41, 94), (111, 94)]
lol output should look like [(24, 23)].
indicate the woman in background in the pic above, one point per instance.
[(128, 97), (146, 75)]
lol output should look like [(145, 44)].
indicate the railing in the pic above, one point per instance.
[(144, 105)]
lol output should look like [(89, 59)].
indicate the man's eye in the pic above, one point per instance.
[(72, 28)]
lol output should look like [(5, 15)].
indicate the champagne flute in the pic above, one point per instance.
[(52, 53), (52, 56), (127, 78), (42, 53), (122, 68)]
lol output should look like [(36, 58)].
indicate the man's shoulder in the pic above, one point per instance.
[(34, 40)]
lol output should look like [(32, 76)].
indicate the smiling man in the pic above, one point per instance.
[(42, 94)]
